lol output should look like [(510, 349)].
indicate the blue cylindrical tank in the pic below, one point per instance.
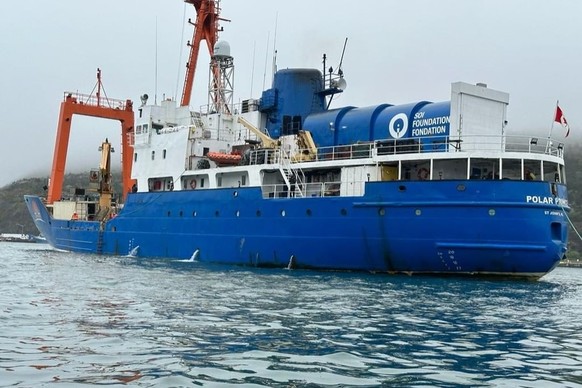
[(350, 125)]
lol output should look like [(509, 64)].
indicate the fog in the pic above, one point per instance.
[(397, 52)]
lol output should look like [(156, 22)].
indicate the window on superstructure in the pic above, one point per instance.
[(153, 155), (219, 181), (511, 169), (482, 168), (454, 169), (135, 156), (243, 180), (552, 172), (201, 182), (164, 154), (532, 170)]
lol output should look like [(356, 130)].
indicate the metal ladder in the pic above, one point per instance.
[(294, 177), (196, 120), (100, 242)]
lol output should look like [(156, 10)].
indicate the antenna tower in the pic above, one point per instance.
[(206, 28)]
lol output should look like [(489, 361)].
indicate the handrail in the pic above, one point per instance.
[(318, 189), (92, 100), (436, 144)]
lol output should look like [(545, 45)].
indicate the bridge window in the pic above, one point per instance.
[(485, 168), (532, 170), (552, 172), (455, 168), (511, 169), (153, 155)]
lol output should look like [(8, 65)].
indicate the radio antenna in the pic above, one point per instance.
[(339, 82), (339, 68)]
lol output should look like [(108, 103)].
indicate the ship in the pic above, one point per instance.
[(285, 180)]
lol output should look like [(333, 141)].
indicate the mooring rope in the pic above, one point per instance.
[(571, 223)]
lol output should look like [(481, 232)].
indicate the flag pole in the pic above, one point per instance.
[(553, 119), (549, 143)]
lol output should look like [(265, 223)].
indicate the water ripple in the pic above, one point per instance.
[(89, 320)]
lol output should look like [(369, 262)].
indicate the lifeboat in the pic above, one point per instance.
[(222, 159)]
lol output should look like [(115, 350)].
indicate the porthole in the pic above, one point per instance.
[(258, 213), (169, 213), (418, 212), (308, 212), (283, 213), (237, 213), (344, 212), (381, 212), (235, 194), (216, 213), (401, 188), (491, 212), (461, 187), (181, 213), (194, 214)]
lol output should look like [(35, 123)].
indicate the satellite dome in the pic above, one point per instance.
[(222, 49)]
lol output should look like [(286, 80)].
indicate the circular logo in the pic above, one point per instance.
[(398, 125)]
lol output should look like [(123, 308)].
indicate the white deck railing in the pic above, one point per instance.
[(438, 144)]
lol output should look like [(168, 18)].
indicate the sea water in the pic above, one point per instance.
[(73, 320)]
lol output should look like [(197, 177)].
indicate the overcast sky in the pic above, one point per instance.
[(397, 52)]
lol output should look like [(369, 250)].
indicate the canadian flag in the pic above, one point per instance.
[(560, 118)]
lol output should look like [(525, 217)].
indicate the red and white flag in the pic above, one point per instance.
[(562, 120)]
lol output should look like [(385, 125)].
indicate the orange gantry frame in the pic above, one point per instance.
[(205, 28), (93, 106)]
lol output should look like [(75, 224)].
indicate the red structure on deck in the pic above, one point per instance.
[(94, 106)]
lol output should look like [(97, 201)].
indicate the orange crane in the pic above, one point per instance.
[(205, 28), (94, 106)]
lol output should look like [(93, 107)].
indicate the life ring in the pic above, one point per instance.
[(423, 174), (193, 184)]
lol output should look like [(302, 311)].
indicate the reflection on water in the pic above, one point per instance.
[(77, 320)]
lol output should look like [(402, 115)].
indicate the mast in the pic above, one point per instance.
[(205, 28)]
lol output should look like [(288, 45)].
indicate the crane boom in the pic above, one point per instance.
[(267, 141), (205, 28)]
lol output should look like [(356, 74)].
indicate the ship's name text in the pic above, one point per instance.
[(546, 200)]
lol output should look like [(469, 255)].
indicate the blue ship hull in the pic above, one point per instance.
[(437, 227)]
